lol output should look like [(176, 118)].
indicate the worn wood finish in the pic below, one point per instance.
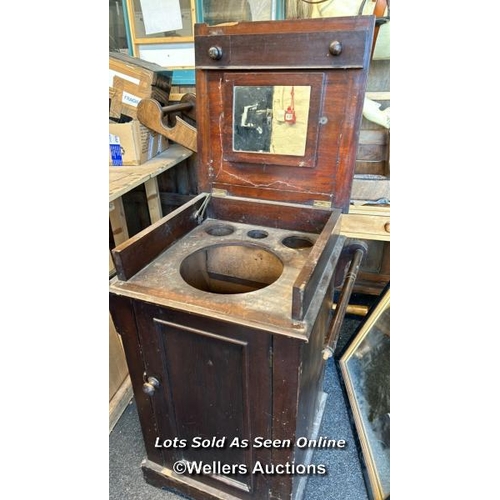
[(267, 213), (224, 362), (124, 179), (301, 288), (243, 44), (325, 252), (122, 312), (226, 399), (151, 115), (153, 199), (117, 365), (118, 221), (136, 252), (286, 376), (338, 112), (165, 478), (366, 188), (367, 222)]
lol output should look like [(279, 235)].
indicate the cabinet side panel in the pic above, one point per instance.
[(286, 370), (312, 384), (122, 312)]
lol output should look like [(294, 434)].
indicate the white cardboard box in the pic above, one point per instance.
[(132, 143)]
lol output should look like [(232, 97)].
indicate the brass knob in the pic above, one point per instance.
[(150, 386), (387, 227), (215, 53), (335, 48)]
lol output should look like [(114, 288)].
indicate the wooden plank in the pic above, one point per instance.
[(372, 189), (112, 269), (371, 152), (119, 402), (153, 199), (118, 222), (117, 365), (120, 387), (366, 226), (138, 251), (380, 210), (379, 76), (124, 179), (371, 168), (378, 137), (379, 96)]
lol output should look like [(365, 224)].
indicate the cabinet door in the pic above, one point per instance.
[(214, 384)]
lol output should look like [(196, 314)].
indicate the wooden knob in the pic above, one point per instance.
[(335, 48), (215, 53), (387, 227)]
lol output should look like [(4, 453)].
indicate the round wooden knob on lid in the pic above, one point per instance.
[(387, 227), (335, 48), (215, 53)]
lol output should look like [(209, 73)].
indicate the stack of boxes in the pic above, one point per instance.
[(130, 80)]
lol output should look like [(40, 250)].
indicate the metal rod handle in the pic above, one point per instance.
[(341, 308)]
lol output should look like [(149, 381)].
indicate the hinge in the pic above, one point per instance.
[(219, 193), (322, 204)]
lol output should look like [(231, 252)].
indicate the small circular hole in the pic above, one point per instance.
[(297, 242), (257, 234), (219, 230)]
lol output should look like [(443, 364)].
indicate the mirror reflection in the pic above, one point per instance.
[(271, 119)]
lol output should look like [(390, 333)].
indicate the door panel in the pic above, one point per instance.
[(215, 386)]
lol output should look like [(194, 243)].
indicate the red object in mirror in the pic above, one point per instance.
[(290, 111)]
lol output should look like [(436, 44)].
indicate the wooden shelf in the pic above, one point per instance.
[(367, 222), (124, 179)]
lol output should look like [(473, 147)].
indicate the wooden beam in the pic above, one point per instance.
[(153, 199), (118, 222)]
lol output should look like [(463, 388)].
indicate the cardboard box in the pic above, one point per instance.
[(132, 143), (132, 79)]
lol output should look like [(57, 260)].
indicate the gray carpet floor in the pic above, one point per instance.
[(343, 481)]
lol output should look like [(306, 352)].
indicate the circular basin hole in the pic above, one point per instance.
[(219, 230), (297, 242), (231, 268), (257, 234)]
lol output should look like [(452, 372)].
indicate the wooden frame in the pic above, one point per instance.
[(157, 40), (365, 367), (315, 82)]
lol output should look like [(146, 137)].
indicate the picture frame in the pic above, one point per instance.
[(365, 371)]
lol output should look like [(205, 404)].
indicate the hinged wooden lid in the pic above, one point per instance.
[(279, 105)]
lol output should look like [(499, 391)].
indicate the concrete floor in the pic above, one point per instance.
[(343, 481)]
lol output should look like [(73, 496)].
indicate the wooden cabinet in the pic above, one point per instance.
[(225, 305), (221, 369), (214, 382)]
